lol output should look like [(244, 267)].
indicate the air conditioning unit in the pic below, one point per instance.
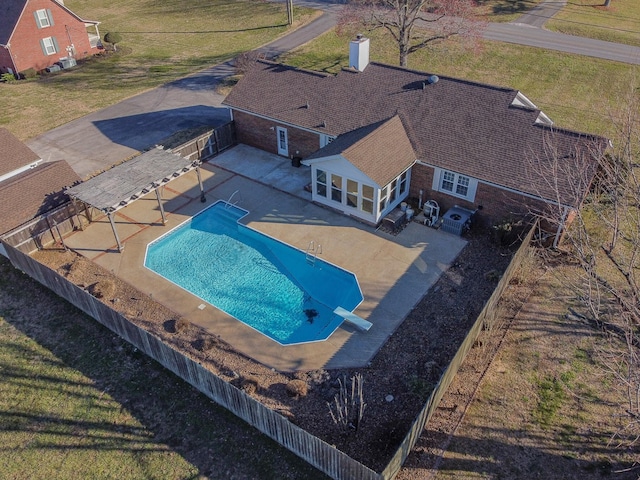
[(67, 62), (52, 68)]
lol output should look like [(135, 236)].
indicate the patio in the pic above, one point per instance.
[(394, 272)]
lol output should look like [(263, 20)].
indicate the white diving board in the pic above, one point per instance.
[(353, 319)]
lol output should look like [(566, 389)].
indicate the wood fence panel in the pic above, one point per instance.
[(310, 448), (315, 451), (488, 315)]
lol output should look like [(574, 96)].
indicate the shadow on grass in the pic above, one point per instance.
[(487, 452), (170, 411)]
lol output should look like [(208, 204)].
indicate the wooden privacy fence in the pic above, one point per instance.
[(307, 446), (486, 318), (209, 144), (44, 230), (315, 451), (51, 227)]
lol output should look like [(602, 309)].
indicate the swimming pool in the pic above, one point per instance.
[(262, 282)]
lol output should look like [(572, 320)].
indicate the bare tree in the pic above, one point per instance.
[(415, 24), (604, 241)]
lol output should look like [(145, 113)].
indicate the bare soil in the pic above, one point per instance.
[(500, 419), (405, 369)]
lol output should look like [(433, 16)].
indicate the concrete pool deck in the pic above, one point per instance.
[(394, 272)]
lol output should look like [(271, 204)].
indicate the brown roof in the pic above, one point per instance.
[(380, 150), (467, 127), (33, 193), (13, 153)]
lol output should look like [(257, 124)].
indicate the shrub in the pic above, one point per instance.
[(206, 343), (508, 231), (29, 73), (180, 324), (249, 384), (113, 38), (103, 289), (8, 77), (297, 388)]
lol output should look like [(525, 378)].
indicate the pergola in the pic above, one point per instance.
[(125, 183)]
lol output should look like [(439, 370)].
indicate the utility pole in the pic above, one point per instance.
[(289, 12)]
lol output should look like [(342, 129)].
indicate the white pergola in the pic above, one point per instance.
[(125, 183)]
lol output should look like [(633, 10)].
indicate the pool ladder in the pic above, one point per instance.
[(313, 250), (228, 202)]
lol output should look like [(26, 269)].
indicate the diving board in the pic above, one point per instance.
[(353, 319)]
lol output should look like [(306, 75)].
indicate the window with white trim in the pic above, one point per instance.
[(367, 198), (455, 184), (43, 18), (49, 46), (321, 183)]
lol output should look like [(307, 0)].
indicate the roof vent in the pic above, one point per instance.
[(432, 79)]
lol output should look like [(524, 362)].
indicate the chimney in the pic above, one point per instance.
[(359, 53)]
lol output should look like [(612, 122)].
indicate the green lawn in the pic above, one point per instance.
[(77, 402), (588, 18), (161, 41), (577, 92)]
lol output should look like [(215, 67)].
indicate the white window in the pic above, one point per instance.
[(367, 198), (49, 45), (321, 183), (455, 184), (336, 188), (43, 18)]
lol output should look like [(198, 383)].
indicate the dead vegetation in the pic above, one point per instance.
[(395, 385)]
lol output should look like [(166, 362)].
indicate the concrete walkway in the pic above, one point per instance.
[(394, 272)]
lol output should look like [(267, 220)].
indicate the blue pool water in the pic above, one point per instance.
[(259, 280)]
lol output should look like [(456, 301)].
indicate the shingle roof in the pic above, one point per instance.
[(10, 11), (13, 153), (34, 193), (380, 150), (467, 127)]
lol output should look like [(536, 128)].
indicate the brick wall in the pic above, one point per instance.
[(261, 133), (494, 205), (67, 30)]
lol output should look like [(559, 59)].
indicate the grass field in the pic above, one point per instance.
[(576, 92), (588, 18), (161, 42), (77, 402)]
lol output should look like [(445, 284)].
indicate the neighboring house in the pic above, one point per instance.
[(29, 189), (40, 33), (375, 135), (15, 156)]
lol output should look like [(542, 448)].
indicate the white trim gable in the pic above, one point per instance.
[(523, 102)]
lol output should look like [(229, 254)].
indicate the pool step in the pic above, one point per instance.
[(353, 319)]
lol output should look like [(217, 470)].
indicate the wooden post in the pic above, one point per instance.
[(202, 197), (164, 219), (115, 232), (290, 12)]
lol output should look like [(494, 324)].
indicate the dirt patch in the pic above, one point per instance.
[(396, 384), (531, 401)]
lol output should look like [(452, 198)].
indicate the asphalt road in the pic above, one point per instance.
[(95, 142)]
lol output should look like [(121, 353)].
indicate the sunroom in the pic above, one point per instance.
[(365, 173)]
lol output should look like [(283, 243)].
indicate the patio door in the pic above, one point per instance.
[(283, 141)]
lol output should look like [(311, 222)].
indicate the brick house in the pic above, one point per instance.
[(39, 33), (29, 187), (375, 135)]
